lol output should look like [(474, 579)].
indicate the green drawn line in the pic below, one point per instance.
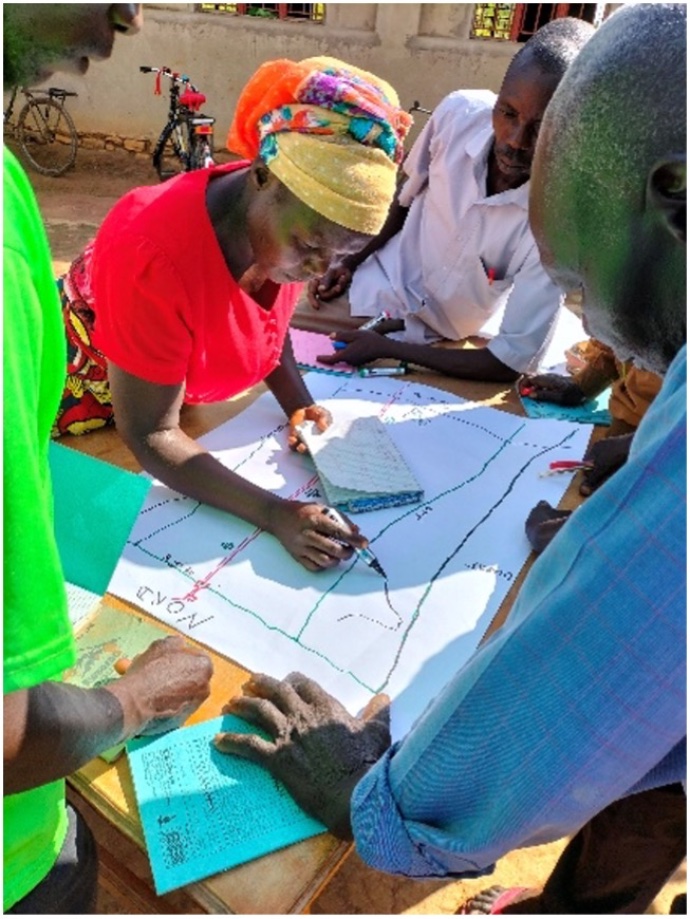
[(268, 625), (461, 544), (296, 639)]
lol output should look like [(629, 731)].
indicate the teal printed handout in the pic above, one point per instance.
[(594, 411), (203, 811)]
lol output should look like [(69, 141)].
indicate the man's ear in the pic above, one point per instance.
[(667, 194)]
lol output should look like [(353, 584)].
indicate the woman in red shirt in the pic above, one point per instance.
[(187, 291)]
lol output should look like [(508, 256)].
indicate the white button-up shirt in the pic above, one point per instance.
[(462, 257)]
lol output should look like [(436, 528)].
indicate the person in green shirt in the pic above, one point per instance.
[(49, 728)]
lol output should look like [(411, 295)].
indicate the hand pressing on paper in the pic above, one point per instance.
[(551, 387), (162, 686), (316, 748), (316, 413), (361, 348)]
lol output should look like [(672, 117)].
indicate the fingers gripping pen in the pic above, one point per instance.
[(366, 555)]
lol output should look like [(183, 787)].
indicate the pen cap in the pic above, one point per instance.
[(371, 323), (334, 515)]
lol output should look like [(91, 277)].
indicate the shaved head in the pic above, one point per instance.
[(607, 201)]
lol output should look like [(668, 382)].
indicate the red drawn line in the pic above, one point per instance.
[(206, 581), (314, 480), (393, 399)]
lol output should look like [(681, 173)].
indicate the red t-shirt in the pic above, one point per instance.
[(167, 308)]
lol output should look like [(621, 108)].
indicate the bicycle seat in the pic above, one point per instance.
[(192, 100), (56, 91)]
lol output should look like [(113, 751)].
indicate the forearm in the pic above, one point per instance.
[(393, 225), (468, 363), (537, 682), (54, 728), (286, 382), (183, 465)]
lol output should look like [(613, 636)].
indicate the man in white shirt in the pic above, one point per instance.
[(457, 249)]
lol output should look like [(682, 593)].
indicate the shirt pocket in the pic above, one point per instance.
[(465, 281)]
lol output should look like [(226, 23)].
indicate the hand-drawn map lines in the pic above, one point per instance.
[(434, 577), (205, 582)]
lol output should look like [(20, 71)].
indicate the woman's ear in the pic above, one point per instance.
[(667, 194), (261, 175)]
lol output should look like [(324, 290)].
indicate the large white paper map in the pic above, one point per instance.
[(450, 560)]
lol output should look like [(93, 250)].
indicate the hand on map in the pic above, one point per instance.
[(551, 387), (542, 524), (316, 413), (606, 456), (314, 539), (332, 284), (317, 749), (361, 348), (162, 686)]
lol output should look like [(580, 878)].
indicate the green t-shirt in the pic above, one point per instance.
[(38, 640)]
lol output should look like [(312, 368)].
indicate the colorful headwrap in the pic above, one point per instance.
[(332, 133)]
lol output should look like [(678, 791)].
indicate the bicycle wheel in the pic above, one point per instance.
[(172, 153), (47, 136)]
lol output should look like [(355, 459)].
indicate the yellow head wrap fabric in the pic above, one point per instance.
[(332, 133)]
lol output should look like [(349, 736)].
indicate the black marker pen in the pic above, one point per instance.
[(366, 555)]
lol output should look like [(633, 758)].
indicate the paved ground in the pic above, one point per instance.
[(73, 207)]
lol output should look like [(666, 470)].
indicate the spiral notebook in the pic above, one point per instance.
[(359, 466)]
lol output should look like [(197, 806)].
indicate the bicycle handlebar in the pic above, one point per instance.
[(185, 80), (416, 107)]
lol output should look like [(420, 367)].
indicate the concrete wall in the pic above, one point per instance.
[(423, 49)]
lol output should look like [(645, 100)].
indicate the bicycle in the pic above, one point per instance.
[(186, 141), (44, 130)]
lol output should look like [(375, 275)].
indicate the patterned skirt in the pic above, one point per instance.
[(86, 403)]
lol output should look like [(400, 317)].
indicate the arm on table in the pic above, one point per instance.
[(599, 372), (148, 418), (467, 364), (52, 729)]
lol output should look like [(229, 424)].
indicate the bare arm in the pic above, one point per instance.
[(397, 215), (339, 277), (54, 728), (148, 417), (468, 364), (286, 382)]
